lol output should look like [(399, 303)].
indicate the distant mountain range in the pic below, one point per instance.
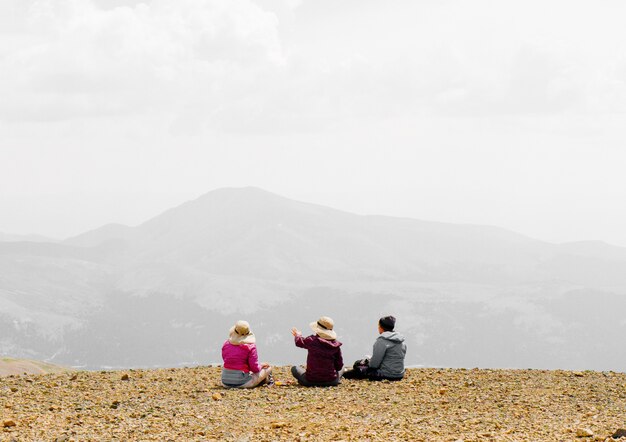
[(38, 238), (165, 292)]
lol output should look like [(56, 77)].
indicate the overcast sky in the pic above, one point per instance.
[(493, 112)]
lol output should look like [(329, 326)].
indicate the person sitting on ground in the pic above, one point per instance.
[(241, 367), (387, 361), (324, 363)]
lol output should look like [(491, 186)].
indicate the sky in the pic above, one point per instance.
[(487, 112)]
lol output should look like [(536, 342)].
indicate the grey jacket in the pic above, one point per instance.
[(388, 355)]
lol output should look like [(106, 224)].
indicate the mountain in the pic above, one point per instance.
[(109, 233), (5, 237), (166, 291), (253, 233)]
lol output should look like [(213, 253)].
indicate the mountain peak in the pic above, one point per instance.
[(249, 190), (248, 193)]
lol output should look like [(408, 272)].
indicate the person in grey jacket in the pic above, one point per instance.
[(387, 361)]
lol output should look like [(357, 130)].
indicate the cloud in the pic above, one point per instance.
[(72, 58), (251, 66)]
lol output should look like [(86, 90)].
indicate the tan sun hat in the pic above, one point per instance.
[(324, 328), (240, 333)]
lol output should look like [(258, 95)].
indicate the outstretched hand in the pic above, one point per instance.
[(296, 332)]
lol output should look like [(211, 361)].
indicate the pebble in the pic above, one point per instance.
[(584, 432), (621, 432), (533, 405)]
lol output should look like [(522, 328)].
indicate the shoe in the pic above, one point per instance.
[(270, 380)]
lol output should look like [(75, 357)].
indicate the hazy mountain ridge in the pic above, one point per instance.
[(108, 233), (250, 232), (7, 237), (165, 291)]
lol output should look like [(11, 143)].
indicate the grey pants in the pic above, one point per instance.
[(238, 379), (300, 374)]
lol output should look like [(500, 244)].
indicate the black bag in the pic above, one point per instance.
[(365, 362), (360, 370)]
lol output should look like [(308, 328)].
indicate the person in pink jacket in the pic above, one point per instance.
[(241, 368)]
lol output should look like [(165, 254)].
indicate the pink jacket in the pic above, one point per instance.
[(242, 357)]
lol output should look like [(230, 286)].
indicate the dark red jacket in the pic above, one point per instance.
[(324, 359)]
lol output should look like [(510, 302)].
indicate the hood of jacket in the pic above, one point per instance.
[(391, 336), (334, 343)]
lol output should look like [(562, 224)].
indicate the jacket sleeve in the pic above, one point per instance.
[(338, 360), (378, 353), (303, 342), (253, 360)]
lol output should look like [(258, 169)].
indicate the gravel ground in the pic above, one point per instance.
[(429, 405)]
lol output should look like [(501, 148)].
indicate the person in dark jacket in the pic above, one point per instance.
[(324, 363), (387, 361)]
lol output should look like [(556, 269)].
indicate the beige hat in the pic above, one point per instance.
[(240, 333), (324, 328)]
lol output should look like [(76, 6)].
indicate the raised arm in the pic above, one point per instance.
[(299, 340), (303, 342)]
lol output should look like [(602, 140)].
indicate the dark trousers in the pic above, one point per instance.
[(300, 374), (368, 373)]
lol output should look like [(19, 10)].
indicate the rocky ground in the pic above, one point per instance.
[(429, 405)]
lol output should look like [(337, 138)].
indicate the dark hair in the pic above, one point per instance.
[(387, 323)]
